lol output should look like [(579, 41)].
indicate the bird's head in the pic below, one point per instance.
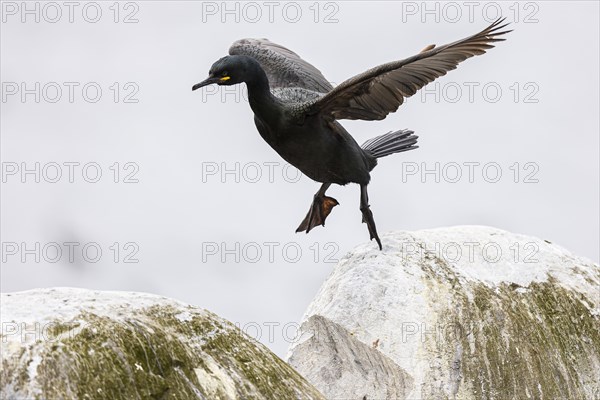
[(229, 70)]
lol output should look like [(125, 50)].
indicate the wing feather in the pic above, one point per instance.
[(379, 91)]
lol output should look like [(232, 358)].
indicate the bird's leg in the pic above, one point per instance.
[(367, 215), (319, 210)]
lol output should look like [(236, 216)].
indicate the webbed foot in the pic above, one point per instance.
[(319, 210), (367, 215)]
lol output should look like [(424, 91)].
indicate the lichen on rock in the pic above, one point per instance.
[(467, 313), (80, 344)]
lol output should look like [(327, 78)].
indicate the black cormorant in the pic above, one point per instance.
[(296, 109)]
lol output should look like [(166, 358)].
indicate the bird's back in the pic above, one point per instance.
[(284, 68)]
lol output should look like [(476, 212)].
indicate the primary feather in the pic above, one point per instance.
[(379, 91)]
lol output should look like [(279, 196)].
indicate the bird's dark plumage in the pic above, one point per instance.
[(296, 109)]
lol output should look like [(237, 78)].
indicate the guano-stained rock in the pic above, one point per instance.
[(338, 357), (79, 344), (467, 312)]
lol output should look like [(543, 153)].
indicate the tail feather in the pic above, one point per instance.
[(390, 143)]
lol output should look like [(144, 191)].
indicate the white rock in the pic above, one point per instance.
[(337, 357), (73, 344), (466, 312)]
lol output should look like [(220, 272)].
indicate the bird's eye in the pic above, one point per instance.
[(224, 73)]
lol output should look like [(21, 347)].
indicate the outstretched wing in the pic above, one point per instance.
[(379, 91), (284, 68)]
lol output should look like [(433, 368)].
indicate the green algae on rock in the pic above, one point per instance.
[(467, 313), (80, 344)]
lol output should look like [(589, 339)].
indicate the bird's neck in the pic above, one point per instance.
[(262, 101)]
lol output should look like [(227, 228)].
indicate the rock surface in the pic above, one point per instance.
[(80, 344), (329, 345), (463, 313)]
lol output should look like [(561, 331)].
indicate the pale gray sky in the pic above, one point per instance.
[(527, 110)]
